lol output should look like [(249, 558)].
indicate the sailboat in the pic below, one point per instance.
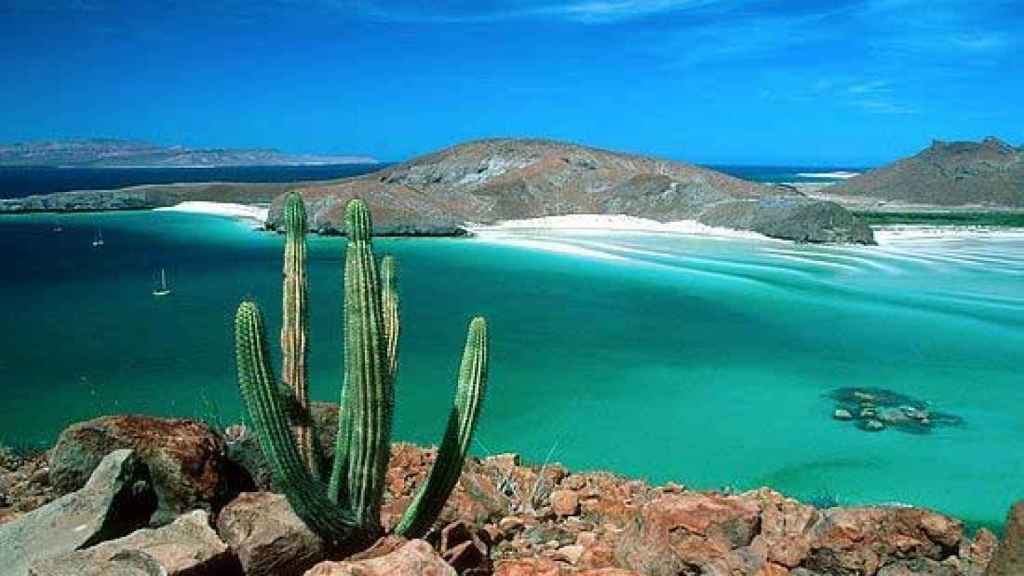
[(163, 290), (97, 241)]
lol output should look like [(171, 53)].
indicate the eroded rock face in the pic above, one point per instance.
[(114, 501), (415, 557), (186, 547), (267, 536), (185, 458), (1008, 559)]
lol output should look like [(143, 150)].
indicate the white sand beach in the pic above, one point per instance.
[(256, 214), (611, 223)]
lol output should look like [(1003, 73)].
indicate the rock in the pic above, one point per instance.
[(186, 459), (570, 554), (1008, 559), (842, 414), (114, 501), (917, 567), (979, 551), (186, 547), (873, 425), (786, 528), (861, 540), (267, 536), (415, 557), (565, 503)]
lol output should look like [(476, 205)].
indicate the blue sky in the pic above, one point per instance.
[(715, 81)]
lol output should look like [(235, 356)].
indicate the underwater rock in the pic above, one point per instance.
[(842, 414), (873, 425), (186, 459), (875, 409), (114, 501)]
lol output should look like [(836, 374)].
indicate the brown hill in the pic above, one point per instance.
[(492, 180), (988, 173)]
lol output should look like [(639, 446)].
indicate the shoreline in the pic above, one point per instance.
[(247, 212), (613, 223)]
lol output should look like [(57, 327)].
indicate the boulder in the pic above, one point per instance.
[(267, 536), (1008, 559), (415, 557), (186, 547), (861, 540), (918, 567), (565, 503), (186, 459), (114, 501)]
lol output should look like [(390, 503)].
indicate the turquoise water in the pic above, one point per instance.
[(697, 360)]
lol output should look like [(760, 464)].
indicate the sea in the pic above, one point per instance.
[(711, 362)]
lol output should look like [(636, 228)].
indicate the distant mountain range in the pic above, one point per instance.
[(987, 174), (108, 153)]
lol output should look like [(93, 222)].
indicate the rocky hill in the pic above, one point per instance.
[(493, 180), (989, 173), (108, 153)]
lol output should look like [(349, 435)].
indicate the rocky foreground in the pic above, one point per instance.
[(133, 495)]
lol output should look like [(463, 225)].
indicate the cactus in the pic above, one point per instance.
[(294, 329), (347, 508)]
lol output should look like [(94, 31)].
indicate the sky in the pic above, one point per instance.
[(843, 83)]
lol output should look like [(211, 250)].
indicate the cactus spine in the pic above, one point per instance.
[(347, 509), (294, 329)]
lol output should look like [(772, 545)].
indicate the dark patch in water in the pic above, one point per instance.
[(877, 409)]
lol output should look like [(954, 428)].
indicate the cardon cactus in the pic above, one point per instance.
[(345, 508), (294, 328)]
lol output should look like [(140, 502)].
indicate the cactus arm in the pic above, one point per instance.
[(268, 413), (389, 300), (368, 388), (429, 501), (294, 329)]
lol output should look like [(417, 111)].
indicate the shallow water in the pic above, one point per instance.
[(699, 360)]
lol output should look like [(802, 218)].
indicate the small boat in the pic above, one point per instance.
[(97, 241), (163, 290)]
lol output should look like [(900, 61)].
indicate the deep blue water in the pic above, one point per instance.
[(16, 182)]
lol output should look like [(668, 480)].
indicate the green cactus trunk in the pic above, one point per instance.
[(268, 412), (451, 455), (368, 389), (294, 329)]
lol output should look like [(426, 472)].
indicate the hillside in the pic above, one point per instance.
[(989, 173), (493, 180), (107, 153)]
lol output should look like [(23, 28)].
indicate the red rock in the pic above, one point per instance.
[(565, 503), (186, 459), (267, 536), (786, 528), (729, 519), (1008, 559), (531, 567), (415, 557), (861, 540), (979, 551)]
